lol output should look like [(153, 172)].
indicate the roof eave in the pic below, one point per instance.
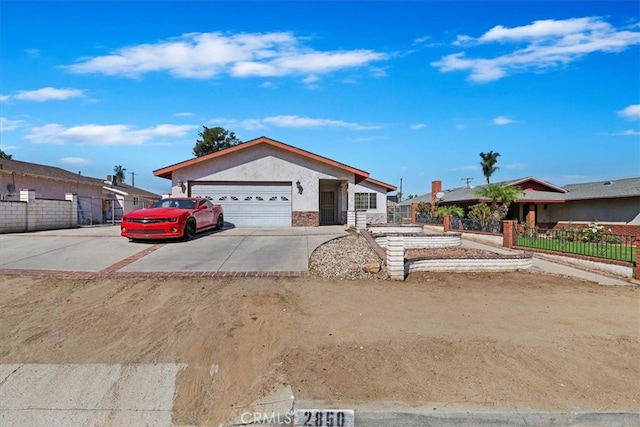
[(167, 172)]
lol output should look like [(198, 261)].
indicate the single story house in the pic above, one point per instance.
[(98, 200), (614, 203), (266, 183)]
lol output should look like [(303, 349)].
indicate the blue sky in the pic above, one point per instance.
[(404, 90)]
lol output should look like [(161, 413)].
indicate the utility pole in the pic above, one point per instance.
[(133, 180), (468, 180), (400, 198)]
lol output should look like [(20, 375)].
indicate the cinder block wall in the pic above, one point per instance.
[(38, 215), (13, 216)]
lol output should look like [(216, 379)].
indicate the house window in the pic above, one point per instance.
[(135, 201), (366, 201)]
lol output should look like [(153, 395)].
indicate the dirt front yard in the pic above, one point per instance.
[(500, 342)]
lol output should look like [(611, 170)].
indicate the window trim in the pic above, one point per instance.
[(370, 198)]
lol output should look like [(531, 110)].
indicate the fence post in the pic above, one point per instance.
[(73, 198), (395, 257), (29, 197), (509, 233), (636, 272)]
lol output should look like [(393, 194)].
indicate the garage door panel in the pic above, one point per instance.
[(250, 205)]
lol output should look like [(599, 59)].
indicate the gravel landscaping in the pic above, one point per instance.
[(345, 258)]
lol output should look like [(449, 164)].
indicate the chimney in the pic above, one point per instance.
[(436, 187)]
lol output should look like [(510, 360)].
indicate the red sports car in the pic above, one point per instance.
[(174, 217)]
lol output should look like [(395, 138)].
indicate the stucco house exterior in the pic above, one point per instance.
[(98, 200), (266, 183), (614, 203)]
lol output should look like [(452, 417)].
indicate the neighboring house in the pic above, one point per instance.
[(264, 182), (614, 203), (120, 198), (52, 183)]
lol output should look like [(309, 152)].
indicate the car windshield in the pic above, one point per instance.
[(173, 203)]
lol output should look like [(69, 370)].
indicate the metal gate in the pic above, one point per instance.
[(328, 207)]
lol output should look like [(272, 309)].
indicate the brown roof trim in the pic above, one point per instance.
[(166, 172), (389, 187), (539, 181)]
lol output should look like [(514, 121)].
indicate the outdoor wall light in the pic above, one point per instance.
[(181, 185), (300, 189)]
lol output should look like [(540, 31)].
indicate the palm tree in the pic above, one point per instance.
[(119, 173), (488, 164), (451, 210), (501, 196)]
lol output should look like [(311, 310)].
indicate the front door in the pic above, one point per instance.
[(328, 207)]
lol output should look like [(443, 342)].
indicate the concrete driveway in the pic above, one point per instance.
[(101, 250)]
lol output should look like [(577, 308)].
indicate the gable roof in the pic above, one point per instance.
[(360, 175), (59, 174), (43, 171), (629, 187), (533, 184)]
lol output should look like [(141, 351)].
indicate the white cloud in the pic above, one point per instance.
[(515, 166), (184, 114), (48, 94), (469, 168), (421, 40), (5, 148), (368, 138), (289, 121), (34, 53), (632, 112), (306, 122), (418, 126), (104, 134), (547, 44), (628, 132), (268, 85), (74, 161), (4, 98), (7, 125), (378, 72), (207, 55), (501, 120)]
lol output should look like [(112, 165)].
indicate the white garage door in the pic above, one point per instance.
[(250, 205)]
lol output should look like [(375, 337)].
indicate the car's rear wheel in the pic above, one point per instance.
[(189, 229), (220, 222)]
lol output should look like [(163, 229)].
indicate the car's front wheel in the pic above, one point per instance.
[(189, 229), (220, 222)]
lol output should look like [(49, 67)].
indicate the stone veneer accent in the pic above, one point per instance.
[(305, 219)]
